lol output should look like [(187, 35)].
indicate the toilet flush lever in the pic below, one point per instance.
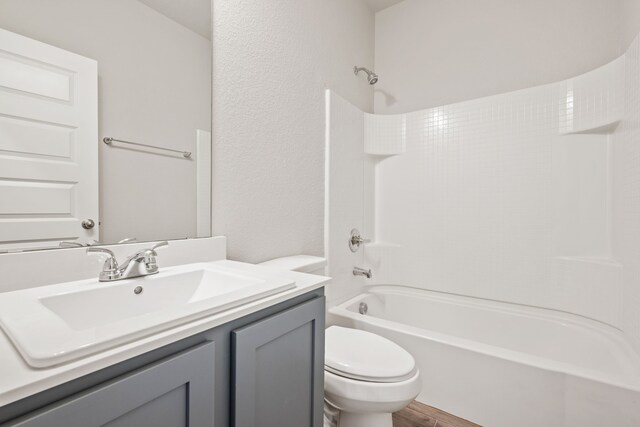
[(355, 240)]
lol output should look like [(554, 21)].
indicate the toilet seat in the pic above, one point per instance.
[(363, 356)]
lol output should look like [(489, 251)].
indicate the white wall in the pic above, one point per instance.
[(431, 52), (154, 87), (272, 62)]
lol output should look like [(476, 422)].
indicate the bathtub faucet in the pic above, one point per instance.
[(357, 271)]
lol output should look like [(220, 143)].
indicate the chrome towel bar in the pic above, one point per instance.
[(108, 140)]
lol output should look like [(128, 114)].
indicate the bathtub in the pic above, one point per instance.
[(505, 365)]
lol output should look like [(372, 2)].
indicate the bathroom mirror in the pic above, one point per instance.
[(105, 121)]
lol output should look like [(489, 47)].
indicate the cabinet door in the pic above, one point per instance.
[(174, 392), (278, 372)]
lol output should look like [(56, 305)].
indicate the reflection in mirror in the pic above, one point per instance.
[(74, 72)]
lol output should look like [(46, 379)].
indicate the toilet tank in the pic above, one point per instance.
[(302, 263)]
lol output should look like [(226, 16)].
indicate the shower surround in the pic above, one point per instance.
[(529, 197), (505, 198)]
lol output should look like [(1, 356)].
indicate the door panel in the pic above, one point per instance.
[(48, 144), (175, 392), (279, 369)]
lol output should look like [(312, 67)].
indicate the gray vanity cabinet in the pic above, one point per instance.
[(174, 392), (265, 369), (278, 369)]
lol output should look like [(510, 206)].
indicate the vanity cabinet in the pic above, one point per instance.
[(279, 369), (261, 370), (175, 392)]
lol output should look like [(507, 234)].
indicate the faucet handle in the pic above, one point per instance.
[(160, 245), (150, 256), (65, 244), (355, 240), (110, 268), (127, 240), (96, 249)]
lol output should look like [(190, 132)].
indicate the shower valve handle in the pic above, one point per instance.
[(355, 240)]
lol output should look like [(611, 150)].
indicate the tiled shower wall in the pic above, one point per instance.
[(505, 197), (626, 195), (531, 197)]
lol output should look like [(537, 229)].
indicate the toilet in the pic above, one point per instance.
[(366, 377)]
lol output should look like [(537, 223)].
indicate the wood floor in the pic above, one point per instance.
[(420, 415)]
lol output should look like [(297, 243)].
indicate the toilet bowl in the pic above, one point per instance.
[(367, 377)]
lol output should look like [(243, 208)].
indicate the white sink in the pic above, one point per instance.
[(58, 323)]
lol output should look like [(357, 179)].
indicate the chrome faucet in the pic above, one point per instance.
[(357, 271), (142, 263)]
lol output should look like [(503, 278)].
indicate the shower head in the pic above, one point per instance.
[(372, 77)]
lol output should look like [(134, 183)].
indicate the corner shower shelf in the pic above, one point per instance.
[(599, 128)]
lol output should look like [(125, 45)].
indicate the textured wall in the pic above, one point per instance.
[(433, 52), (154, 87), (272, 62)]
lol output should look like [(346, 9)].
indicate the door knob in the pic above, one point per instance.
[(88, 224)]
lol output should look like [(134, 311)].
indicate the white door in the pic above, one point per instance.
[(48, 144)]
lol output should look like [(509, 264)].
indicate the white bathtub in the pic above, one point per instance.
[(506, 365)]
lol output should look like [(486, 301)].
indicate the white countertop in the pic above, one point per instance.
[(18, 380)]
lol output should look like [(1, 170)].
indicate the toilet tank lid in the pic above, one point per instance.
[(301, 263)]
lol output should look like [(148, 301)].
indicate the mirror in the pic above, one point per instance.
[(105, 121)]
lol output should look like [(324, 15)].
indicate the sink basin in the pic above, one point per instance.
[(59, 323)]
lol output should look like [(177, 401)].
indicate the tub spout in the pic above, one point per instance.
[(357, 271)]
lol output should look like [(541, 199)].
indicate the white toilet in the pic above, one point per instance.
[(366, 377)]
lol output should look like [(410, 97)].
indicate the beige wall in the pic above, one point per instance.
[(630, 22), (433, 52), (154, 87), (272, 62)]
